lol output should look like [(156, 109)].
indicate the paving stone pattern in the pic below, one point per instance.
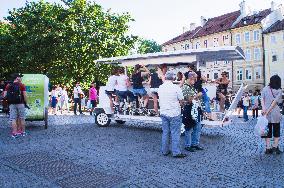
[(84, 155)]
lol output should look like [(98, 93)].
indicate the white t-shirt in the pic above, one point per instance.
[(246, 101), (121, 83), (169, 97), (77, 91), (111, 83)]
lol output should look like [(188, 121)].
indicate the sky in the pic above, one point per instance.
[(161, 20)]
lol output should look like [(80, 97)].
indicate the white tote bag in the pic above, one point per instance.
[(261, 127)]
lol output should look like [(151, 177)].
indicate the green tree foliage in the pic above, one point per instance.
[(148, 46), (63, 41)]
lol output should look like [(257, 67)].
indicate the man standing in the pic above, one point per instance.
[(17, 98), (194, 113), (170, 96), (77, 98)]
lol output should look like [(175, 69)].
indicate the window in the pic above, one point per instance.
[(205, 43), (226, 40), (274, 56), (187, 46), (239, 74), (256, 35), (174, 48), (273, 39), (197, 45), (238, 39), (247, 38), (228, 74), (248, 74), (216, 76), (215, 63), (208, 76), (226, 62), (248, 54), (257, 73), (215, 42), (257, 54)]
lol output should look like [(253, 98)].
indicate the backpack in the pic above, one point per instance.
[(14, 94)]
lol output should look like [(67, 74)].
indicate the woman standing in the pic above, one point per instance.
[(222, 90), (64, 100), (271, 96), (54, 96), (254, 105), (93, 97)]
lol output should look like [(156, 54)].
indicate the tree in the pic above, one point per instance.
[(63, 41), (148, 46)]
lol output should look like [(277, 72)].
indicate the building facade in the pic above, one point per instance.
[(274, 51), (242, 28)]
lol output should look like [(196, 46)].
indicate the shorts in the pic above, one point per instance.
[(53, 102), (110, 93), (124, 94), (154, 91), (17, 111), (274, 129), (142, 92), (93, 103)]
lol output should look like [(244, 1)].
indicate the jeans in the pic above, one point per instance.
[(171, 128), (206, 101), (76, 102), (192, 136), (255, 113), (245, 108)]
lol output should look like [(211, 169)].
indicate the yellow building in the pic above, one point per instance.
[(274, 51), (247, 33), (215, 32)]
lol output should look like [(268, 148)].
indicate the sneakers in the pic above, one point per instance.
[(181, 155), (14, 135), (197, 148), (268, 151), (190, 149), (276, 150)]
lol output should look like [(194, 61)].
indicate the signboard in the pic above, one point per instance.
[(37, 94)]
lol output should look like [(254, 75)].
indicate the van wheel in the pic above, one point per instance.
[(120, 121), (102, 120)]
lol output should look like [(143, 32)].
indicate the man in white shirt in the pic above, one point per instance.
[(77, 98), (170, 96)]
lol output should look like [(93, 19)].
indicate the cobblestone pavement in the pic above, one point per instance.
[(85, 155)]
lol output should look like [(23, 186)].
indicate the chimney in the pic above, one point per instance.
[(244, 9), (202, 21), (273, 6), (184, 29), (192, 26)]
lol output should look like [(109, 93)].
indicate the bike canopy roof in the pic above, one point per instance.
[(224, 53)]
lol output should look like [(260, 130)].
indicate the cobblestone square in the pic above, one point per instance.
[(84, 155)]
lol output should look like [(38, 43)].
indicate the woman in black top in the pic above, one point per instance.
[(137, 79), (222, 90), (155, 80)]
